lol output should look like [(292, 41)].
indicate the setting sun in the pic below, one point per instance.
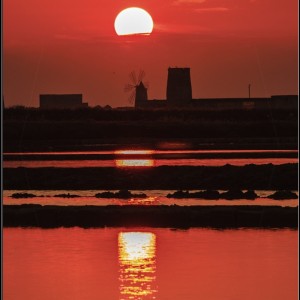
[(133, 20)]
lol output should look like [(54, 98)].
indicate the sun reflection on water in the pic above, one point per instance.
[(137, 260), (134, 152), (134, 162)]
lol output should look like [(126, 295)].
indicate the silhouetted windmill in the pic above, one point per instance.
[(137, 89)]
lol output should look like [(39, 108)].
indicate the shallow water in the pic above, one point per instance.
[(154, 197), (145, 162), (147, 263)]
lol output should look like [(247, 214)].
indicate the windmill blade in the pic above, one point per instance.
[(146, 85), (132, 76), (141, 76), (131, 98), (128, 87)]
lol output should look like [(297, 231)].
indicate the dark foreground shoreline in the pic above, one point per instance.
[(255, 177), (31, 215)]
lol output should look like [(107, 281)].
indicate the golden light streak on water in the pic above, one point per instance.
[(146, 201), (137, 261), (133, 152), (134, 162)]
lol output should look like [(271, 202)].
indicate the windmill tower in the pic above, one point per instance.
[(138, 89)]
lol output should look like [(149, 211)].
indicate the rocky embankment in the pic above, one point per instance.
[(205, 195), (122, 194), (215, 195)]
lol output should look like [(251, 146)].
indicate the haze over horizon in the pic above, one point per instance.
[(71, 47)]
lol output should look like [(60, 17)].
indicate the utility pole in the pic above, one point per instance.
[(249, 90)]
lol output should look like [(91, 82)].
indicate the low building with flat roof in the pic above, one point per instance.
[(62, 101)]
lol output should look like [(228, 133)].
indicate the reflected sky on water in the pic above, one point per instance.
[(143, 263), (148, 158), (145, 162)]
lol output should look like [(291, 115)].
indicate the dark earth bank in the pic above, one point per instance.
[(253, 177), (29, 215)]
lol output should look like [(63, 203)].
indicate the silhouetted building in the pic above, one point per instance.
[(284, 102), (141, 94), (61, 101), (179, 87), (179, 94)]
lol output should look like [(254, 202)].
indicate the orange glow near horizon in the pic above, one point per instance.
[(137, 261)]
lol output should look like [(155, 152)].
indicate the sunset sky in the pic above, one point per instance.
[(64, 46)]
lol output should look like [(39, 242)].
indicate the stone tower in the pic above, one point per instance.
[(179, 87)]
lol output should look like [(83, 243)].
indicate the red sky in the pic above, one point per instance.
[(70, 46)]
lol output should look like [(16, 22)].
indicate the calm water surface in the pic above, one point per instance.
[(146, 162), (147, 263), (148, 158)]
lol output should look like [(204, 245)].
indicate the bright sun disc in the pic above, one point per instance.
[(133, 20)]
